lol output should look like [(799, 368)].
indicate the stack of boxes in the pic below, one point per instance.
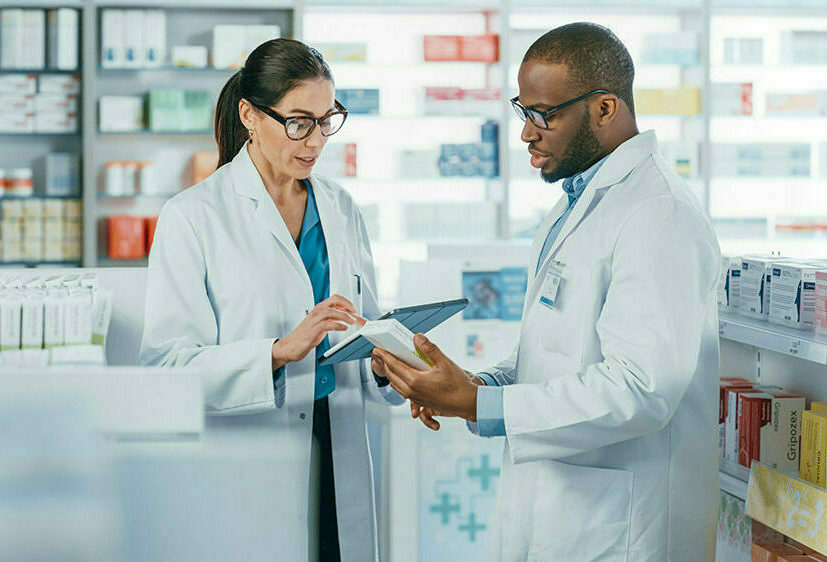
[(761, 423), (53, 319), (133, 38), (761, 159), (31, 39), (462, 48), (44, 104), (130, 237), (38, 230), (167, 110), (779, 290), (472, 159)]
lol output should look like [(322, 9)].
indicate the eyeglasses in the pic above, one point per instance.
[(540, 118), (299, 128)]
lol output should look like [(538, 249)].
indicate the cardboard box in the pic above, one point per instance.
[(63, 28), (112, 39), (818, 406), (770, 429), (58, 84), (18, 84), (343, 52), (732, 100), (121, 113), (151, 223), (754, 287), (762, 552), (814, 447), (793, 295), (190, 56), (729, 284), (672, 101), (723, 410), (820, 311), (732, 422), (441, 48), (480, 48), (127, 237)]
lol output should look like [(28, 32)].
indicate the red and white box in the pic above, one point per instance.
[(480, 48), (770, 429), (821, 303), (444, 94), (442, 48), (723, 415)]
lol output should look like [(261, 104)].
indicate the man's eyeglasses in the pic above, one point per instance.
[(540, 118), (299, 128)]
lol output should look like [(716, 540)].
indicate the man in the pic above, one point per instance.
[(609, 403)]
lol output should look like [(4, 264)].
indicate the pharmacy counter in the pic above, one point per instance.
[(120, 465)]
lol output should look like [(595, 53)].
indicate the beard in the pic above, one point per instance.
[(583, 150)]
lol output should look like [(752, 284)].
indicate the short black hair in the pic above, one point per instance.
[(595, 58)]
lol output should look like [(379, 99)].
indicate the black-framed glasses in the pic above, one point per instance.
[(299, 128), (540, 118)]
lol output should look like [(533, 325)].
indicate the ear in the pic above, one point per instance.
[(248, 114), (608, 108)]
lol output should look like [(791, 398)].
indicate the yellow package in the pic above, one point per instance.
[(817, 406), (814, 447)]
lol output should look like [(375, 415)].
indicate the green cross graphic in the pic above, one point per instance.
[(444, 508), (472, 527), (485, 473)]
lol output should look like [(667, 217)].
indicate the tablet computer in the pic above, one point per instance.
[(418, 319)]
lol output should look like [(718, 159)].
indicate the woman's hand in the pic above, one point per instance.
[(332, 315)]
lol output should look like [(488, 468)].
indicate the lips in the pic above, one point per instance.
[(307, 161), (538, 159)]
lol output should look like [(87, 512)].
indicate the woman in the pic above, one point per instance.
[(258, 269)]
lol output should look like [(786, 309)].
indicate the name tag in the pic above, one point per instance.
[(551, 284)]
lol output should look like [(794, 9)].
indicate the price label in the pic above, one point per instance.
[(795, 347), (789, 505)]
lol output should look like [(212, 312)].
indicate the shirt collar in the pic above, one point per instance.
[(311, 213), (574, 185)]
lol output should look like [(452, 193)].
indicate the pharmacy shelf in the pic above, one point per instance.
[(37, 71), (162, 133), (784, 502), (42, 197), (199, 4), (733, 478), (107, 197), (17, 264), (204, 69), (108, 262), (63, 134), (788, 341)]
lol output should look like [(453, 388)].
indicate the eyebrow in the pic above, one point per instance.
[(310, 113)]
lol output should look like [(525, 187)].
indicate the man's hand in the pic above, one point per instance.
[(444, 389)]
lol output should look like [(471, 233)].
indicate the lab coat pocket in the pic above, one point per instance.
[(562, 323), (581, 513)]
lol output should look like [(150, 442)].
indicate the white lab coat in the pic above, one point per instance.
[(225, 280), (611, 398)]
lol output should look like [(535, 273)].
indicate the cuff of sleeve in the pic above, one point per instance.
[(487, 378), (490, 416)]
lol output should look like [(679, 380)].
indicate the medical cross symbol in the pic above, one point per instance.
[(444, 508), (472, 527), (485, 473)]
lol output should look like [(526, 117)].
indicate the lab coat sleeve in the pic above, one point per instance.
[(370, 309), (501, 374), (180, 327), (663, 274)]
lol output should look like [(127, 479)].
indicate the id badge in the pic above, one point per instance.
[(551, 285)]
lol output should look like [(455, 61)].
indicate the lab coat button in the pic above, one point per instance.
[(302, 416), (323, 380)]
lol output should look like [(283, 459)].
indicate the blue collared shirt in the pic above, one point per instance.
[(313, 253), (490, 416)]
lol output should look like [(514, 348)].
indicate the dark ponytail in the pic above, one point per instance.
[(272, 69)]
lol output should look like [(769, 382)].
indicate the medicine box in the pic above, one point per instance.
[(754, 287), (770, 429), (127, 237), (793, 295), (814, 447)]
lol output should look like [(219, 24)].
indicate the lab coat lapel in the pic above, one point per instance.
[(542, 233), (617, 166), (334, 225), (247, 183)]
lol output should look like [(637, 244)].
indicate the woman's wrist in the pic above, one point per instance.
[(278, 354)]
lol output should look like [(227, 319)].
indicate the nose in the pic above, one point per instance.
[(530, 133), (316, 138)]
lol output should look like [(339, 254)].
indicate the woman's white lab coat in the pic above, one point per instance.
[(612, 411), (225, 280)]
